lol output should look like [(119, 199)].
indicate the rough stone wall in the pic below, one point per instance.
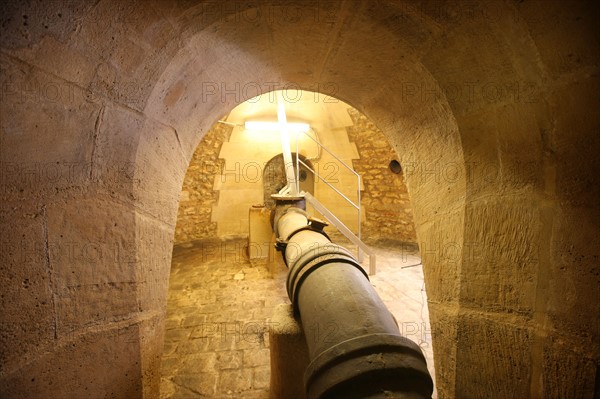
[(198, 194), (388, 212)]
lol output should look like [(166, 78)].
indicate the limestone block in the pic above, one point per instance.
[(275, 262), (567, 373), (137, 159), (154, 246), (104, 363), (472, 82), (160, 170), (122, 70), (46, 112), (500, 259), (289, 355), (519, 150), (26, 24), (572, 276), (436, 178), (491, 352), (80, 306), (93, 265), (201, 382), (191, 114), (260, 232), (149, 25), (230, 213), (442, 251), (151, 340), (567, 46), (114, 154), (482, 168), (574, 143), (443, 319), (59, 59), (235, 381), (23, 333)]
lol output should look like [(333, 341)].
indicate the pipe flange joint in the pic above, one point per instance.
[(284, 205), (317, 224), (351, 368), (310, 262), (305, 228), (280, 246)]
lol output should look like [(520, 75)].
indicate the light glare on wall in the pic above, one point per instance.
[(293, 127)]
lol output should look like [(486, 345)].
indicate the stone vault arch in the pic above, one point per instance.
[(482, 102)]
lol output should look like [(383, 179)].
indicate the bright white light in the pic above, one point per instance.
[(292, 127)]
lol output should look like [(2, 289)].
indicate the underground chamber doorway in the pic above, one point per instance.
[(226, 282)]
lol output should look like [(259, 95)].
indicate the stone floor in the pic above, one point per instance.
[(216, 340)]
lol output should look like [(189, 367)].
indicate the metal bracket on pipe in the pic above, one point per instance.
[(280, 244), (317, 224), (287, 203)]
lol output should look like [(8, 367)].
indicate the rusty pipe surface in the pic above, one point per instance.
[(354, 344)]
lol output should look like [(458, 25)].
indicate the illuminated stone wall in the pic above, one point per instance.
[(387, 212), (198, 195), (387, 208)]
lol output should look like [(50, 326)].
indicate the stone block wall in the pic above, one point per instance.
[(198, 195), (387, 209), (388, 212)]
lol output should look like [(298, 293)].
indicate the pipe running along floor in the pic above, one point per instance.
[(220, 303)]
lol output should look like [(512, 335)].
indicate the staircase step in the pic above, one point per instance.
[(331, 218)]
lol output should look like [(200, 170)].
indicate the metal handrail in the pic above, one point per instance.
[(356, 206), (325, 181), (326, 149)]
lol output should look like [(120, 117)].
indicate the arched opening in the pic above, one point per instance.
[(487, 105), (414, 121), (274, 177), (222, 295)]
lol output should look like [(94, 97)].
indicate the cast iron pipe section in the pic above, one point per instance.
[(354, 344)]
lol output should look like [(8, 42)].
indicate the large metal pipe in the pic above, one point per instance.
[(354, 343)]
